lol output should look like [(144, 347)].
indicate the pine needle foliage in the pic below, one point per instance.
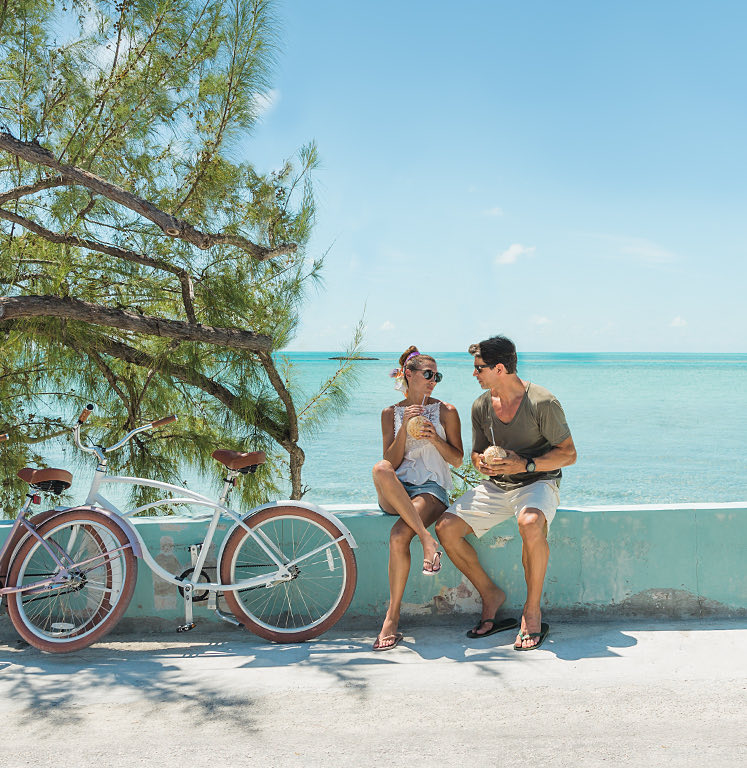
[(465, 478), (122, 190)]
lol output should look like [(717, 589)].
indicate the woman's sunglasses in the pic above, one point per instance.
[(428, 374)]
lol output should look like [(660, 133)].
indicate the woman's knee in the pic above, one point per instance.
[(381, 469), (400, 536)]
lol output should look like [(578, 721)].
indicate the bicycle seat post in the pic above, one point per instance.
[(26, 505), (228, 485)]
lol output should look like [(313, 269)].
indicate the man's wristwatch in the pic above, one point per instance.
[(531, 465)]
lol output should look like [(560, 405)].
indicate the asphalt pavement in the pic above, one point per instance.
[(595, 694)]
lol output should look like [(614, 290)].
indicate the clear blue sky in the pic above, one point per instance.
[(572, 174)]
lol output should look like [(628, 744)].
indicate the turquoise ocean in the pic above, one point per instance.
[(649, 429)]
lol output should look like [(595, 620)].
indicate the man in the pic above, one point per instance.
[(528, 422)]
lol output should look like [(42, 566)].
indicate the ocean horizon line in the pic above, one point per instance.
[(369, 353)]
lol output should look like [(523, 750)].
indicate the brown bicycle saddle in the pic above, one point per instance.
[(239, 460), (54, 480)]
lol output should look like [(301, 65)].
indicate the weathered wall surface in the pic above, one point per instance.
[(657, 562), (667, 561)]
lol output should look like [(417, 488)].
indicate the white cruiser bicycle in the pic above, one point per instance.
[(286, 569)]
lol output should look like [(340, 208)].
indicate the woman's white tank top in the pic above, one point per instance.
[(422, 461)]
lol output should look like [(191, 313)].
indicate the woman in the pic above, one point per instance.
[(413, 479)]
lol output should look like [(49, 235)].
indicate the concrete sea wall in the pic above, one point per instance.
[(668, 561)]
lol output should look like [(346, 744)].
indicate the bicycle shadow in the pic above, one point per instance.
[(58, 686)]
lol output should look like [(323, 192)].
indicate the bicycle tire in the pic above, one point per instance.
[(80, 612), (315, 599)]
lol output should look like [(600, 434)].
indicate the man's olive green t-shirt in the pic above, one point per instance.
[(538, 426)]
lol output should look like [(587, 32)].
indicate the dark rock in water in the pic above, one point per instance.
[(352, 358)]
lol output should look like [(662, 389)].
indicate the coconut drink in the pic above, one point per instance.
[(493, 454), (415, 426)]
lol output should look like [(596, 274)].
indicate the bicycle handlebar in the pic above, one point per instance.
[(85, 413), (161, 422), (100, 450)]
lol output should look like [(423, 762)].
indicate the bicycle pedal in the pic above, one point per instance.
[(186, 627)]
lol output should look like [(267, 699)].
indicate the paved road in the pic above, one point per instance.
[(668, 694)]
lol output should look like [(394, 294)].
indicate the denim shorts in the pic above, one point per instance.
[(429, 486)]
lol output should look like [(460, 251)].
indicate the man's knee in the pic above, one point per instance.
[(532, 523), (449, 527)]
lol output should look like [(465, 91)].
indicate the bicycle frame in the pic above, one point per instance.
[(62, 572), (285, 568), (220, 508), (311, 537), (58, 555)]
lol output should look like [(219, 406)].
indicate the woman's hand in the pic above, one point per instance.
[(428, 432), (410, 412)]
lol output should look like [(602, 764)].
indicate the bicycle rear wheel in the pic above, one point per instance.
[(320, 559), (81, 609)]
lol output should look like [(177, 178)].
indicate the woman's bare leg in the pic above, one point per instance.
[(393, 499), (429, 509)]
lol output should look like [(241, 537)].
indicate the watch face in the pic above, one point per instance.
[(530, 466)]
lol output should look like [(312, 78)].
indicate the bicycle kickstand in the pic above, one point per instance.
[(188, 623)]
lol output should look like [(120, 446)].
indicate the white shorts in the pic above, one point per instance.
[(486, 505)]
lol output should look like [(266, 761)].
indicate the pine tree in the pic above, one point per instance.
[(145, 266)]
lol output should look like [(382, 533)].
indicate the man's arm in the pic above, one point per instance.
[(561, 455)]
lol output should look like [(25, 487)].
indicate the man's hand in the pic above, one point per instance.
[(512, 464)]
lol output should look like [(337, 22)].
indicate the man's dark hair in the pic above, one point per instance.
[(495, 350)]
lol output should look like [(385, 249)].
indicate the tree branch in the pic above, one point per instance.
[(91, 245), (33, 153), (187, 376), (295, 453), (73, 309), (185, 279), (30, 189)]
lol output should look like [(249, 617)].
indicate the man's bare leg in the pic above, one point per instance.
[(429, 509), (451, 531), (535, 553)]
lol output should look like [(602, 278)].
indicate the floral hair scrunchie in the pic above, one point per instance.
[(398, 374)]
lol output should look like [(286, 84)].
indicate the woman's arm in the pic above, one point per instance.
[(394, 447), (451, 448)]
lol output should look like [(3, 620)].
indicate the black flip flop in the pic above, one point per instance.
[(398, 637), (499, 625), (542, 634)]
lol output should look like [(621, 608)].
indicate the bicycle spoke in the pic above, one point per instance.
[(316, 586), (62, 615)]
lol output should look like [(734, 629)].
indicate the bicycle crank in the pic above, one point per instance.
[(197, 596)]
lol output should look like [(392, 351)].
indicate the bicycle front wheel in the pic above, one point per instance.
[(73, 612), (319, 558)]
